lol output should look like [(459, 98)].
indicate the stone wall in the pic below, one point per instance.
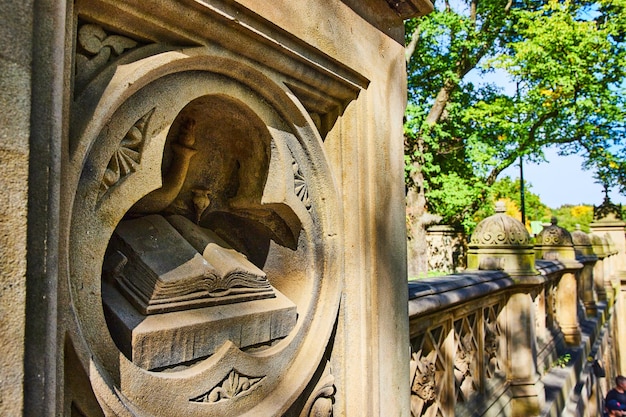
[(15, 92), (529, 329)]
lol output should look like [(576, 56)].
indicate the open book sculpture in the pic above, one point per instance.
[(182, 292), (171, 264)]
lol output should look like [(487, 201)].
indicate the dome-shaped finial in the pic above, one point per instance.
[(501, 242), (500, 230), (554, 221)]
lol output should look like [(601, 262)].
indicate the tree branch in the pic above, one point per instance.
[(410, 48)]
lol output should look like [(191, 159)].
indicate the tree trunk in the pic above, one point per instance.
[(417, 218)]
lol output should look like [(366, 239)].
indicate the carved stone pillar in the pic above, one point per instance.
[(607, 219), (446, 251), (586, 285), (555, 243), (203, 234), (567, 307), (599, 267), (503, 243)]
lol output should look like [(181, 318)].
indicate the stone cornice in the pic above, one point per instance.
[(407, 9), (323, 85)]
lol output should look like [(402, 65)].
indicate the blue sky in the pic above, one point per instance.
[(561, 180)]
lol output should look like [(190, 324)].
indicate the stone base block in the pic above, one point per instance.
[(175, 338)]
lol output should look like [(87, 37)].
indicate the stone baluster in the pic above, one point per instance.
[(600, 265), (503, 243), (585, 255), (555, 243)]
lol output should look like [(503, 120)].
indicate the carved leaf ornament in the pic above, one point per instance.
[(607, 211), (320, 402), (97, 49), (234, 385), (423, 376)]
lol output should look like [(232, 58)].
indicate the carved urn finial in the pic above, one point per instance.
[(583, 246), (500, 230), (554, 243), (501, 242)]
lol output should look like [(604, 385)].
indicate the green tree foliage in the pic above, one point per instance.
[(569, 217), (566, 59), (568, 64), (509, 190)]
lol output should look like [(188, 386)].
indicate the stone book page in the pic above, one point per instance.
[(161, 263), (225, 260)]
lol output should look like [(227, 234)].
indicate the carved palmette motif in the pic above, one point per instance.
[(127, 156), (234, 385), (300, 187)]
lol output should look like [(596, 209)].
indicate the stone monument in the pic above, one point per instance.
[(198, 225)]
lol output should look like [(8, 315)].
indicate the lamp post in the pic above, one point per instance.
[(521, 190)]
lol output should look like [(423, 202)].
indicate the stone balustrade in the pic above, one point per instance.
[(521, 331)]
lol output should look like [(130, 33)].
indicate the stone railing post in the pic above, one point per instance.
[(502, 243), (599, 267), (614, 258), (527, 391), (609, 224), (607, 219), (584, 254), (609, 263), (555, 243)]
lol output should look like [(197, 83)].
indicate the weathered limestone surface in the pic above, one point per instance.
[(265, 123), (609, 226), (15, 90)]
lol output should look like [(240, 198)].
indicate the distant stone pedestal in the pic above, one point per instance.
[(608, 223), (446, 252)]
